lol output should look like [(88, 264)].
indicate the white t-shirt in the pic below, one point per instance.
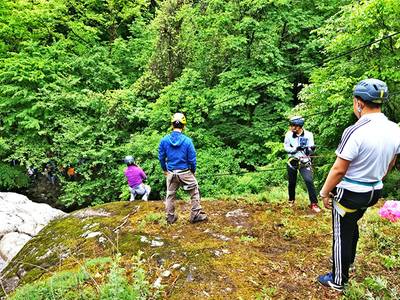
[(292, 141), (370, 145)]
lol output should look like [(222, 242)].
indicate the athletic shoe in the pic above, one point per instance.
[(315, 208), (327, 280), (291, 202), (171, 219)]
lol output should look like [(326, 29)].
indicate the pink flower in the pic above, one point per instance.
[(390, 210)]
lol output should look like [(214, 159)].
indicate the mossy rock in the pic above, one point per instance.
[(244, 251)]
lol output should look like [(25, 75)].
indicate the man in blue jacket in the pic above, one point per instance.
[(177, 157)]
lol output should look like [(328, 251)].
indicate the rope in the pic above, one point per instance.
[(259, 171)]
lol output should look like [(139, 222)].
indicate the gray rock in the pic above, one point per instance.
[(11, 243), (166, 273), (237, 213), (46, 255), (102, 240), (20, 220), (157, 243), (144, 239), (2, 263), (89, 234), (90, 212), (10, 284), (221, 237), (157, 283)]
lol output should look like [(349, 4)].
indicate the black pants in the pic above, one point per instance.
[(345, 230), (307, 174)]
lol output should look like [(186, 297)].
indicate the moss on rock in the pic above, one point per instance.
[(243, 251)]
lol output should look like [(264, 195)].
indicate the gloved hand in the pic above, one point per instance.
[(299, 148), (310, 150)]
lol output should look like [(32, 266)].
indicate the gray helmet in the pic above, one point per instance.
[(129, 160), (372, 90), (297, 120)]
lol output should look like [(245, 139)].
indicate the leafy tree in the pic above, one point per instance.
[(85, 83), (358, 24)]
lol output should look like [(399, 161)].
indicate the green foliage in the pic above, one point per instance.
[(118, 286), (391, 261), (357, 24), (152, 218), (12, 177), (371, 288), (377, 242), (391, 188), (266, 293), (60, 286), (214, 167), (85, 83), (247, 239), (278, 194)]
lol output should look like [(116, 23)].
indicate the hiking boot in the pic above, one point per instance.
[(327, 280), (171, 219), (199, 217), (315, 208)]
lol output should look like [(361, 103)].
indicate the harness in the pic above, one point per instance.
[(370, 184), (296, 164), (342, 210), (176, 173)]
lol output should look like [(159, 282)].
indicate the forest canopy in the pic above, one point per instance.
[(85, 83)]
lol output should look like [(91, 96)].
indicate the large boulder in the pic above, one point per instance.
[(20, 220), (244, 251)]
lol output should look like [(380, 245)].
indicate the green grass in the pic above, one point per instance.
[(373, 287), (247, 239), (101, 278)]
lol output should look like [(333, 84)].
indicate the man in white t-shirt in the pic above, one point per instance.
[(366, 153), (299, 144)]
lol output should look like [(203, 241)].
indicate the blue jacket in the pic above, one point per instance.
[(176, 152)]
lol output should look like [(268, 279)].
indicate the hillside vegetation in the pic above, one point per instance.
[(86, 82)]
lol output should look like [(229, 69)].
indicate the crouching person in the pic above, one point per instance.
[(177, 157), (135, 176)]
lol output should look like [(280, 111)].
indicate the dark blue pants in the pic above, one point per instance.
[(307, 174)]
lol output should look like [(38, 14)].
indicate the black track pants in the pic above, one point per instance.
[(345, 230)]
